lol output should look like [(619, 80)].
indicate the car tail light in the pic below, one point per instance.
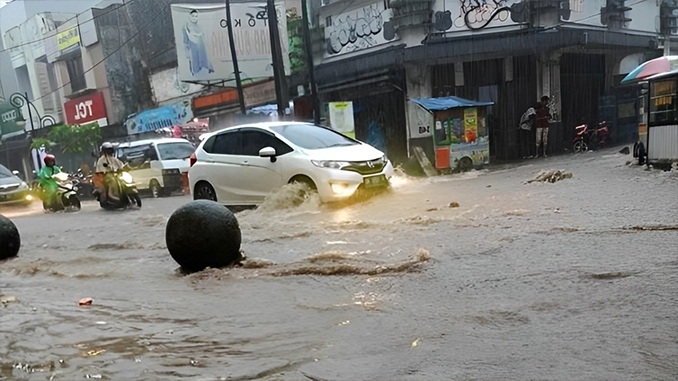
[(192, 159)]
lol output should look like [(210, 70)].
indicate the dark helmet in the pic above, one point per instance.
[(49, 158)]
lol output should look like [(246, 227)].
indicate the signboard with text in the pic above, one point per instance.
[(88, 109), (176, 114), (203, 49)]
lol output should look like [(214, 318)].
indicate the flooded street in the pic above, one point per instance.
[(575, 279)]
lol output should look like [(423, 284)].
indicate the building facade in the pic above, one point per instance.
[(380, 54)]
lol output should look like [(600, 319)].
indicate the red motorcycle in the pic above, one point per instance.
[(586, 137)]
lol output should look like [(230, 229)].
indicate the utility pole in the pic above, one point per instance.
[(234, 58), (276, 55), (309, 62)]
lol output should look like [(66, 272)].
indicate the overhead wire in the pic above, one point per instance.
[(65, 22), (150, 22)]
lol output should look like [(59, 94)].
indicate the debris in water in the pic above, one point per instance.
[(85, 302), (7, 299), (551, 176), (415, 343), (625, 151), (454, 204), (94, 376)]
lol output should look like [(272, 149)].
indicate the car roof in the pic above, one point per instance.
[(137, 143), (264, 125)]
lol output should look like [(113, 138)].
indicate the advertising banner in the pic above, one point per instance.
[(176, 114), (341, 117), (9, 115), (203, 49)]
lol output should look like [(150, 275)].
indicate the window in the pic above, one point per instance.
[(228, 143), (172, 151), (310, 136), (254, 141), (76, 73), (663, 101)]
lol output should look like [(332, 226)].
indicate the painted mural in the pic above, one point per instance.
[(359, 29), (472, 15)]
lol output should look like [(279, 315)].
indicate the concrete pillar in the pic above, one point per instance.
[(418, 85)]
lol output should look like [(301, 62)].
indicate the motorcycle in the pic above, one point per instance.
[(66, 197), (585, 136), (126, 194), (84, 185)]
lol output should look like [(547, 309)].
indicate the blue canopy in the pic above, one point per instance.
[(446, 103)]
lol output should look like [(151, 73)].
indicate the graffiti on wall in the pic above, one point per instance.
[(478, 14), (359, 29)]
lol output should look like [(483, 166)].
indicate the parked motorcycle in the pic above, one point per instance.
[(84, 185), (126, 192), (66, 197), (586, 137)]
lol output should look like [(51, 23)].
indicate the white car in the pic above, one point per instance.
[(241, 165)]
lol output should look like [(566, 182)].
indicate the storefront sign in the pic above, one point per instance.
[(9, 115), (68, 38), (162, 117), (87, 109), (259, 94)]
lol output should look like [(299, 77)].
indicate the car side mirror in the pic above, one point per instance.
[(268, 152)]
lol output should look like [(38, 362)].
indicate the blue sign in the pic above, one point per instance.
[(176, 114)]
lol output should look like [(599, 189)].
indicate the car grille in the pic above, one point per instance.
[(8, 188), (369, 167)]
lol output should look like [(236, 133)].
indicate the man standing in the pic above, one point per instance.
[(542, 124)]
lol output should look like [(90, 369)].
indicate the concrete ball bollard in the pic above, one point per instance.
[(203, 234), (10, 240)]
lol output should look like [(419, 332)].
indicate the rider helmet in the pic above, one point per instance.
[(49, 160), (107, 148)]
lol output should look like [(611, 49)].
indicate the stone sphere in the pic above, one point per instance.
[(203, 234), (10, 241)]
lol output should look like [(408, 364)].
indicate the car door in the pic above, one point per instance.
[(222, 166), (259, 175)]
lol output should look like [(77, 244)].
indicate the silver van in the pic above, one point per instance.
[(157, 165)]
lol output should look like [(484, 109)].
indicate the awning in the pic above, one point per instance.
[(446, 103)]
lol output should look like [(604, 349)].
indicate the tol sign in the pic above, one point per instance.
[(87, 109)]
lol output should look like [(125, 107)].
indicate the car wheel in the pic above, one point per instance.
[(204, 191), (155, 189), (465, 164), (308, 189)]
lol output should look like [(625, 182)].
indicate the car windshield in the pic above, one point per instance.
[(4, 172), (171, 151), (311, 136)]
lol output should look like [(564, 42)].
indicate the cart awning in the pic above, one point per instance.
[(446, 103)]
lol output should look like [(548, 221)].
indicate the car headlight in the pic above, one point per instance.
[(333, 164)]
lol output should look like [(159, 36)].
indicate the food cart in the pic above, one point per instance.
[(461, 136), (658, 130)]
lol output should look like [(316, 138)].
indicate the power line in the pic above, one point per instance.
[(150, 22), (72, 18)]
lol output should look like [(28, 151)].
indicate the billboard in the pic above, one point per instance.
[(203, 49)]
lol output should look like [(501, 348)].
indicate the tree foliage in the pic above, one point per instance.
[(71, 139)]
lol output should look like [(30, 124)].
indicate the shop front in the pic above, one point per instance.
[(460, 133)]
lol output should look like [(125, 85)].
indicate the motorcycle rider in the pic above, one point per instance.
[(105, 184), (47, 182)]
